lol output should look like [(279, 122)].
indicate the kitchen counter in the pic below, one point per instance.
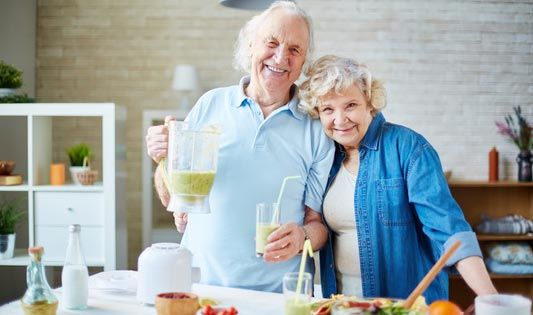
[(247, 302)]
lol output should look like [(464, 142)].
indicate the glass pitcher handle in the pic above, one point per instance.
[(164, 174)]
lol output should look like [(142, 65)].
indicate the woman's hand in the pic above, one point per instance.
[(157, 140), (284, 243), (180, 219)]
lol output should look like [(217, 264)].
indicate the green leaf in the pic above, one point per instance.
[(10, 214), (77, 154), (10, 77)]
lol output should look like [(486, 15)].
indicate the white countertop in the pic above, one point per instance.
[(247, 302)]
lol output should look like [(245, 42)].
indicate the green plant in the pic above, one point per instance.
[(10, 214), (16, 98), (10, 77), (78, 153)]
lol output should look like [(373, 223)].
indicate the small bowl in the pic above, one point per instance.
[(6, 167), (176, 303)]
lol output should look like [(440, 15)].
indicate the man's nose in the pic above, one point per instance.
[(280, 55)]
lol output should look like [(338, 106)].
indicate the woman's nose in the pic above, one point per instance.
[(339, 117)]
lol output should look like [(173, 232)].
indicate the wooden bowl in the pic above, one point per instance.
[(6, 167), (176, 303)]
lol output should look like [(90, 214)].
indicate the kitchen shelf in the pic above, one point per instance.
[(34, 136), (21, 187), (20, 258), (480, 183), (479, 199), (498, 276), (510, 237), (70, 187)]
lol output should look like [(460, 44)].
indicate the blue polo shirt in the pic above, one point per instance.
[(255, 154)]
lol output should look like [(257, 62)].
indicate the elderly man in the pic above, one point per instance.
[(264, 139)]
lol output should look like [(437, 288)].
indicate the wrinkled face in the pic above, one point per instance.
[(345, 117), (278, 51)]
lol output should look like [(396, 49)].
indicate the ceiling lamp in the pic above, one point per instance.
[(247, 4)]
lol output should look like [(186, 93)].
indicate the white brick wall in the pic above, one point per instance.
[(451, 67)]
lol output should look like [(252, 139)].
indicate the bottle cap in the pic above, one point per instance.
[(36, 250), (74, 228)]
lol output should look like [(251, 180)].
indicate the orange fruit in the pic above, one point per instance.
[(443, 307)]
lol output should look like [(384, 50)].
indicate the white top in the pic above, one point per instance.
[(339, 212)]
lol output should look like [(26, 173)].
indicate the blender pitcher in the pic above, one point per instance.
[(190, 167)]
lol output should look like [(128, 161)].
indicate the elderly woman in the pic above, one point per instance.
[(388, 206), (264, 139)]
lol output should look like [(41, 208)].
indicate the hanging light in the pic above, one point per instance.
[(247, 4)]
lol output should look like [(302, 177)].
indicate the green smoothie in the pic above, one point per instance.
[(192, 183), (297, 306), (262, 231)]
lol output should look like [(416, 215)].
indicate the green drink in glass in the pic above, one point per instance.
[(267, 221)]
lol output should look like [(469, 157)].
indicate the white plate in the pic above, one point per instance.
[(114, 282)]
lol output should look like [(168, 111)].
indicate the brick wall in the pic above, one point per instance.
[(451, 67)]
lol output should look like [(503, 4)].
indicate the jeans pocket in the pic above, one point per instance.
[(393, 203)]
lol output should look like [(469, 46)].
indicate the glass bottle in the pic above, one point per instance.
[(75, 276), (39, 298)]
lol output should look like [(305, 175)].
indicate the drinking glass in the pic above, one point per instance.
[(267, 221), (503, 304), (297, 303)]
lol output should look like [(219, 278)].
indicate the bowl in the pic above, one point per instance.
[(6, 167), (171, 303)]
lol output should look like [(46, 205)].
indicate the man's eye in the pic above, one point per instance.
[(295, 51), (352, 105), (272, 44)]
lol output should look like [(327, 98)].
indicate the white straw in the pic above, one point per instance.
[(280, 195)]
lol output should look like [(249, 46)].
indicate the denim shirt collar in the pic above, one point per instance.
[(292, 105), (373, 134)]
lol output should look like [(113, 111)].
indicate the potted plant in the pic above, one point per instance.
[(79, 156), (10, 78), (520, 132), (10, 214)]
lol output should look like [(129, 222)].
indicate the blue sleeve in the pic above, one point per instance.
[(442, 218), (319, 171)]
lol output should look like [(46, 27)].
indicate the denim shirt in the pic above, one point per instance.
[(405, 215)]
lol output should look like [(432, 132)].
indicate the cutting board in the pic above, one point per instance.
[(8, 180)]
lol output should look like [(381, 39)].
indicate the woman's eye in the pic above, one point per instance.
[(352, 105), (326, 110)]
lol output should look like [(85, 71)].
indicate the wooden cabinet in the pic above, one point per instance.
[(478, 198), (28, 135)]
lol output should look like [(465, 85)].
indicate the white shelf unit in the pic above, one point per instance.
[(99, 208)]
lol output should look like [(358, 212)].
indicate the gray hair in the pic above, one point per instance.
[(241, 56), (337, 74)]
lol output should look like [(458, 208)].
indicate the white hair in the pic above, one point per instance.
[(337, 74), (241, 55)]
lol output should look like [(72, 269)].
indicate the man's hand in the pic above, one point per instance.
[(180, 219), (284, 243), (157, 140)]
